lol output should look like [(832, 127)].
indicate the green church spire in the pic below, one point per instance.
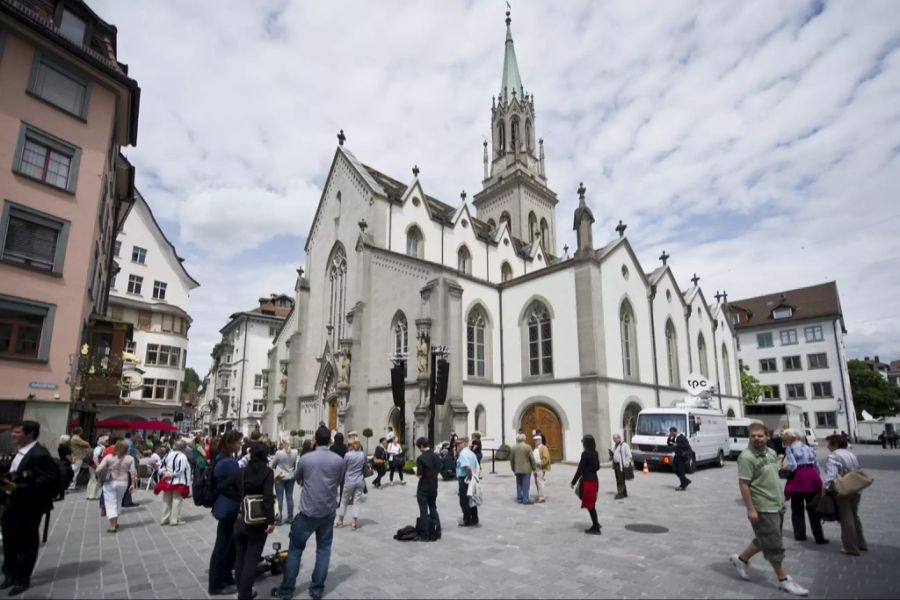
[(512, 81)]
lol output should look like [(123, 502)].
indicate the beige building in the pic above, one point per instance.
[(67, 107)]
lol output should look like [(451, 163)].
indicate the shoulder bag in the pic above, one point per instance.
[(851, 482), (824, 507), (579, 488), (252, 507)]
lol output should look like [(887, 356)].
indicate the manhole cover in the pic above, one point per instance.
[(646, 528)]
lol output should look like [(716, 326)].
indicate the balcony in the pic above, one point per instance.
[(99, 364)]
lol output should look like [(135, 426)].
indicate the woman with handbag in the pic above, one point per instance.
[(840, 463), (225, 510), (117, 472), (284, 463), (255, 486), (174, 483), (803, 485), (588, 484), (353, 483), (395, 458), (623, 465), (93, 487)]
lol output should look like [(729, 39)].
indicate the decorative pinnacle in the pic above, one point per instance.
[(300, 272), (415, 170), (664, 257), (508, 20), (462, 195), (566, 249), (695, 280), (581, 191), (341, 137), (620, 228), (724, 297), (718, 296), (362, 225)]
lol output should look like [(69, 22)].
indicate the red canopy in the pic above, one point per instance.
[(152, 426), (112, 424)]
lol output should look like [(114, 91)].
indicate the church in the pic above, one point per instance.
[(534, 338)]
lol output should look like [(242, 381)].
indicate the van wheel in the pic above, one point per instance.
[(720, 462), (692, 464)]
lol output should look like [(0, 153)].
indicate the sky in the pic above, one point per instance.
[(757, 143)]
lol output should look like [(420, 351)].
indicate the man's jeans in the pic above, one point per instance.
[(523, 483), (428, 504), (285, 487), (301, 529)]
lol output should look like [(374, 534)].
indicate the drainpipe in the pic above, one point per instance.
[(502, 377), (837, 349), (687, 325), (716, 359), (653, 343), (243, 380)]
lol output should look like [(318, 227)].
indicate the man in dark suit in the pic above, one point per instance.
[(680, 446), (28, 490)]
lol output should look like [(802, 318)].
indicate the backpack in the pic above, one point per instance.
[(427, 529), (203, 488), (407, 534)]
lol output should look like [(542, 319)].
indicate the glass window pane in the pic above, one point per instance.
[(58, 88), (33, 158), (535, 366), (548, 365), (72, 27), (532, 333)]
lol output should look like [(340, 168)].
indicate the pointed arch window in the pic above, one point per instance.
[(532, 226), (480, 424), (401, 334), (506, 272), (545, 235), (337, 307), (726, 370), (628, 334), (540, 340), (501, 137), (701, 352), (529, 135), (464, 260), (415, 243), (672, 354), (514, 128), (475, 343)]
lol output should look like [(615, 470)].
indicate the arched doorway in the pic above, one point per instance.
[(396, 423), (629, 421), (544, 418)]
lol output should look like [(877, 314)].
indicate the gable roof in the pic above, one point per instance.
[(178, 260), (816, 301)]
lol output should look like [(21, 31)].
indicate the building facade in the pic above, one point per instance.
[(151, 292), (67, 107), (234, 394), (793, 342), (535, 338)]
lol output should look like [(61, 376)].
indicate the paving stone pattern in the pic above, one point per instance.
[(519, 551)]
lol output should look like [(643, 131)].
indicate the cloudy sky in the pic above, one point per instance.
[(758, 143)]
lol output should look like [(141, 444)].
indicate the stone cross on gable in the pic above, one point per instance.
[(341, 137), (620, 228), (362, 225), (695, 280), (566, 250), (718, 296), (415, 170), (581, 191), (300, 272), (724, 296), (664, 257), (462, 195)]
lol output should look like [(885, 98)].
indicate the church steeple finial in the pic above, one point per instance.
[(512, 81), (508, 20)]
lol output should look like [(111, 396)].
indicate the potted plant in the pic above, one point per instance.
[(367, 433)]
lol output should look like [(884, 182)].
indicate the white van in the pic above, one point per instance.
[(705, 428), (738, 436)]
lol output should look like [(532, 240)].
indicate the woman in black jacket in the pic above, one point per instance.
[(254, 480), (587, 472)]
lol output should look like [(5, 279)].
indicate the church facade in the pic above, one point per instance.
[(567, 344)]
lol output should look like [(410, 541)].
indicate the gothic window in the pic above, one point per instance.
[(726, 369), (401, 334), (545, 235), (540, 342), (475, 343), (514, 128), (492, 225), (464, 261), (628, 333), (501, 137), (415, 245), (701, 351), (337, 282), (672, 354), (532, 226), (529, 136), (506, 272), (479, 418)]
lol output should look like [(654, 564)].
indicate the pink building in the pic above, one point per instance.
[(67, 107)]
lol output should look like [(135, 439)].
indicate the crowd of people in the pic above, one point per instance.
[(251, 485)]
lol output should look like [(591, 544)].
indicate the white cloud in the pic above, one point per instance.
[(757, 143)]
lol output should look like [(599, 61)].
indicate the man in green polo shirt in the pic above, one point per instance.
[(764, 498)]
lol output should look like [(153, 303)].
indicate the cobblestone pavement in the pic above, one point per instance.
[(519, 551)]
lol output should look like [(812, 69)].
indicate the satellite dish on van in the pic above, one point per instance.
[(696, 384)]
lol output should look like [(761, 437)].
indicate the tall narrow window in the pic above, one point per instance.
[(545, 235), (529, 135), (532, 226), (401, 335), (464, 261), (628, 336), (414, 243), (514, 129), (501, 137), (475, 327), (672, 354), (540, 346), (337, 309), (726, 368), (701, 352), (506, 272)]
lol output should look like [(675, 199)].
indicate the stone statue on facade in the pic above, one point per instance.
[(345, 370), (422, 356)]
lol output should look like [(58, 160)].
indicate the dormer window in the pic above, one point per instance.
[(72, 26), (783, 312)]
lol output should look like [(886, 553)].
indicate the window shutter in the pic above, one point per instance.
[(30, 243)]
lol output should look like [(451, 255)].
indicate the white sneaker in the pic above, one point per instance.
[(740, 566), (792, 587)]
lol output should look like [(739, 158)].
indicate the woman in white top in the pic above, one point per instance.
[(174, 483), (284, 463), (840, 462), (114, 471), (93, 490), (395, 458), (620, 454)]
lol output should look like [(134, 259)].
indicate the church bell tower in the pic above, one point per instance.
[(515, 183)]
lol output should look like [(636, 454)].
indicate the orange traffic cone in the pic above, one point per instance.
[(646, 468)]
